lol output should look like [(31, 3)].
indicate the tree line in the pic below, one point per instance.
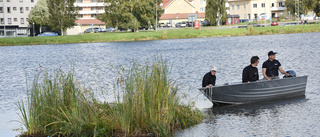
[(125, 14), (136, 14)]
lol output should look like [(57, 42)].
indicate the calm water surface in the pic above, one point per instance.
[(191, 59)]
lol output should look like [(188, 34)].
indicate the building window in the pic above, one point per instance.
[(21, 9), (263, 5), (93, 15), (21, 1), (14, 8), (15, 19), (256, 16), (281, 4), (202, 9), (80, 16), (32, 1), (27, 19), (80, 8), (272, 5), (8, 9), (238, 7), (92, 1), (2, 20), (79, 1), (202, 1), (22, 21), (27, 8), (244, 6), (9, 21), (1, 0), (255, 5), (31, 8), (92, 8), (99, 0), (232, 7), (8, 0), (1, 9)]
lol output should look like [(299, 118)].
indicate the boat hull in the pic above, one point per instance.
[(264, 90)]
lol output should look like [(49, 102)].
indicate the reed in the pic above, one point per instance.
[(146, 102), (57, 105)]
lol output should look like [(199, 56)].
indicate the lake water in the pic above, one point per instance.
[(191, 59)]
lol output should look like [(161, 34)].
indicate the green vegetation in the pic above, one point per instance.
[(216, 12), (133, 14), (157, 35), (146, 102), (304, 7)]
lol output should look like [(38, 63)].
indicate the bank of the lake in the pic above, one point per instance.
[(158, 35)]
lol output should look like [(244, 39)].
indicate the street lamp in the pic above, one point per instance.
[(4, 20), (234, 11), (156, 15), (33, 29)]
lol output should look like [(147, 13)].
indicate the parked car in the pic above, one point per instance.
[(169, 24), (253, 24), (90, 30), (190, 24), (110, 29), (178, 24), (183, 24), (289, 24), (100, 29), (162, 25), (274, 23), (48, 34), (205, 23)]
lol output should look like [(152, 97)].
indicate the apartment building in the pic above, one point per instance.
[(88, 11), (254, 9), (14, 16)]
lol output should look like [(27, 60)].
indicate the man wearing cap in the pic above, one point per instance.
[(250, 73), (271, 67), (209, 79)]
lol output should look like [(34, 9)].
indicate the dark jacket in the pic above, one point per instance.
[(272, 67), (250, 74), (208, 79)]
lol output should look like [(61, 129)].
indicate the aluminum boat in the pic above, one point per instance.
[(263, 90)]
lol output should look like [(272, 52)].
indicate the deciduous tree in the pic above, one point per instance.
[(216, 11), (62, 14)]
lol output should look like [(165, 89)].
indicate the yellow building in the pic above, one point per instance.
[(255, 9), (179, 10)]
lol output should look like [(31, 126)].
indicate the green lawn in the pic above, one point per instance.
[(161, 34)]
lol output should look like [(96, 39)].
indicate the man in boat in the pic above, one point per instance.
[(271, 67), (250, 73), (209, 79)]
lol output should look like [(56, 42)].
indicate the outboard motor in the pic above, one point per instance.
[(291, 73)]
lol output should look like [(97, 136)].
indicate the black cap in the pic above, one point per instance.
[(271, 53)]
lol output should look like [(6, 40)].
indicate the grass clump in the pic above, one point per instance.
[(146, 102)]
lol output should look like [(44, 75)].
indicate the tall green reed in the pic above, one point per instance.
[(148, 101), (57, 105)]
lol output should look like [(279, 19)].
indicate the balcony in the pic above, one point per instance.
[(278, 8), (89, 4), (92, 12)]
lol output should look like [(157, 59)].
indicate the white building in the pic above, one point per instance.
[(14, 16)]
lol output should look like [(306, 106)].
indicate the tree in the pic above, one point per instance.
[(304, 6), (215, 11), (62, 14), (130, 14), (39, 14), (317, 8)]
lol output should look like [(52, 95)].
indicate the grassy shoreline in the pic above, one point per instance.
[(158, 35)]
